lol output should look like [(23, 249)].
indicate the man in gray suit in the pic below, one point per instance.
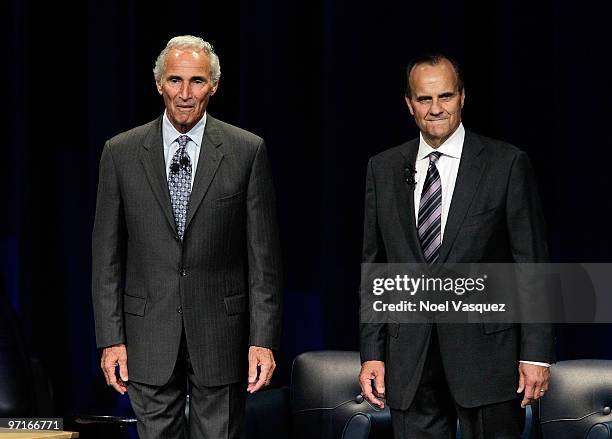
[(452, 196), (186, 263)]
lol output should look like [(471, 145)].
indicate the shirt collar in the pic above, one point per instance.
[(170, 134), (452, 147)]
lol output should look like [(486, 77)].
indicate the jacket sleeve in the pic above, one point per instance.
[(108, 243), (265, 290), (527, 235), (372, 335)]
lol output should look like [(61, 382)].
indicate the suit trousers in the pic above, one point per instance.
[(433, 413), (214, 412)]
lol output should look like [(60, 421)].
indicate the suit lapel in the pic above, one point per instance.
[(405, 198), (152, 158), (469, 174), (208, 163)]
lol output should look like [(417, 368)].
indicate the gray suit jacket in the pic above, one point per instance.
[(222, 283), (495, 216)]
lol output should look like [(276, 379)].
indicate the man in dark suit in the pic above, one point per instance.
[(473, 200), (186, 264)]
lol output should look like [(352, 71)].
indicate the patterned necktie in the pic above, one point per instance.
[(179, 183), (430, 212)]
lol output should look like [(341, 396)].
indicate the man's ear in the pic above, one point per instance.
[(462, 98), (159, 87), (407, 99), (214, 88)]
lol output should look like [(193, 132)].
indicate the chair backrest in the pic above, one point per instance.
[(579, 396), (325, 393)]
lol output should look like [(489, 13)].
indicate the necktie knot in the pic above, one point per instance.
[(433, 157), (183, 140)]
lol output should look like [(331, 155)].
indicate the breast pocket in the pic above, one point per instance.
[(489, 215), (228, 200)]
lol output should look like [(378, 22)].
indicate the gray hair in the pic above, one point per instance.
[(188, 42)]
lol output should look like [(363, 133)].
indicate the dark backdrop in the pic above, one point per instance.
[(323, 83)]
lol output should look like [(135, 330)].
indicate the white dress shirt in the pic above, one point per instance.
[(170, 136), (448, 167)]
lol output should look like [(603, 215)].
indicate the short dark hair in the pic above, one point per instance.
[(432, 59)]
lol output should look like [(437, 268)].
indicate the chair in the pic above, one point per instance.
[(326, 399), (578, 403)]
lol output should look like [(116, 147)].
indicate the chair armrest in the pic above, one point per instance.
[(368, 425), (601, 430), (357, 427)]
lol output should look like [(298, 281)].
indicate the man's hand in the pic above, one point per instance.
[(373, 370), (533, 380), (264, 359), (112, 357)]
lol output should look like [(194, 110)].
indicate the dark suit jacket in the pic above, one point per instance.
[(495, 216), (222, 283)]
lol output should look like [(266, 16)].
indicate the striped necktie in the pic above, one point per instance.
[(430, 212)]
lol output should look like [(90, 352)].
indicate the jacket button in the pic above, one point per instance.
[(183, 272), (179, 310)]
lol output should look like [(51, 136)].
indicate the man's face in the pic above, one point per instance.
[(186, 87), (435, 101)]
